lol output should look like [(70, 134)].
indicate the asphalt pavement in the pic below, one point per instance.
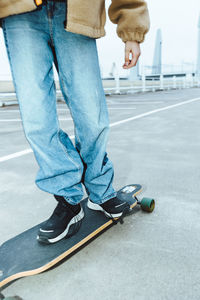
[(154, 141)]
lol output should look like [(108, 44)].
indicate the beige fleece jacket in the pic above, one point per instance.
[(88, 17)]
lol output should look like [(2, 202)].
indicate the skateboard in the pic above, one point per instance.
[(23, 255)]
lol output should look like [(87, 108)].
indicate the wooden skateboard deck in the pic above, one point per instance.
[(23, 256)]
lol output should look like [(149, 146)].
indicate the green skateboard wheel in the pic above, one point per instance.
[(148, 204)]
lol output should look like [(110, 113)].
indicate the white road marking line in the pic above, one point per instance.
[(122, 108), (69, 119), (154, 111), (26, 151), (7, 111), (17, 110), (67, 110), (16, 154), (132, 103), (19, 120), (10, 120), (137, 102), (108, 104)]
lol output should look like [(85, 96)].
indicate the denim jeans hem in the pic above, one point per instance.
[(72, 201), (105, 199)]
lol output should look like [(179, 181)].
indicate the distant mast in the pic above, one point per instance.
[(157, 59), (198, 49)]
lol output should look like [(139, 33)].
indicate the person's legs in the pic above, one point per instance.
[(81, 84), (30, 52), (33, 41), (29, 47)]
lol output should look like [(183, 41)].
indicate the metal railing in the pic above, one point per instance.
[(144, 85), (118, 86)]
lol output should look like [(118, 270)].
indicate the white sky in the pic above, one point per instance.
[(178, 21)]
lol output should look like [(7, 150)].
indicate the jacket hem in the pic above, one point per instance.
[(85, 30), (9, 7)]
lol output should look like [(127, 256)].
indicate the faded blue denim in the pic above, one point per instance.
[(35, 40)]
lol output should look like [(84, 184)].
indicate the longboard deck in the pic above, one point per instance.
[(23, 256)]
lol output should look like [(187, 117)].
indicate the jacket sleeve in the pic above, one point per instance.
[(131, 17)]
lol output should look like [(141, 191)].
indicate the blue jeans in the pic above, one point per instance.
[(34, 41)]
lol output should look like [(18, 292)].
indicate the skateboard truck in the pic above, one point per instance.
[(121, 218), (147, 204)]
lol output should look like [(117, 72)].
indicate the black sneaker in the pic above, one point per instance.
[(64, 222), (113, 208)]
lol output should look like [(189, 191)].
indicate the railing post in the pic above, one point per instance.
[(117, 83), (188, 80), (143, 82), (193, 81), (161, 82), (174, 82), (153, 85), (198, 80), (185, 82)]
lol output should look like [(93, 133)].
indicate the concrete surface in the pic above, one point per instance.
[(151, 256)]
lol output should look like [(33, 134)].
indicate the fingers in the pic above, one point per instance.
[(127, 60), (129, 63), (134, 49)]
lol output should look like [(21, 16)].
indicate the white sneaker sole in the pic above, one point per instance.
[(95, 206), (74, 220)]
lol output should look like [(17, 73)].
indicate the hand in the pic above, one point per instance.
[(134, 48)]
